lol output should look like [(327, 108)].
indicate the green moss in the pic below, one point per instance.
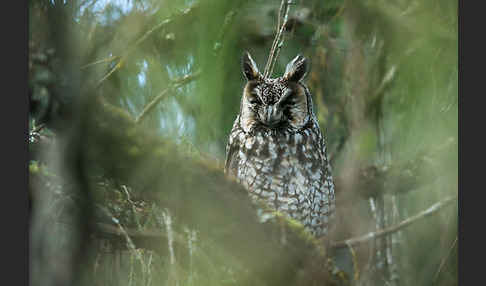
[(38, 169), (301, 234)]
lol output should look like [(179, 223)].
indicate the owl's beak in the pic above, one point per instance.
[(271, 116)]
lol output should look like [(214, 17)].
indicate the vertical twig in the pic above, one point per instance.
[(381, 263), (355, 262), (165, 218), (278, 41), (393, 258)]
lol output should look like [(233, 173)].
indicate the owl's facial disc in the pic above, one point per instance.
[(274, 102), (273, 105), (263, 100)]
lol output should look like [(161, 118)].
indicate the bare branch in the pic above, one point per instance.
[(278, 41), (173, 86), (115, 68), (442, 263), (371, 235), (139, 41), (129, 241), (105, 60)]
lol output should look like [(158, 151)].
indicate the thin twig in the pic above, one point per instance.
[(109, 59), (355, 262), (142, 39), (38, 128), (278, 41), (444, 260), (228, 19), (371, 235), (132, 204), (115, 68), (279, 20), (124, 233), (275, 40), (174, 85), (164, 23), (389, 76)]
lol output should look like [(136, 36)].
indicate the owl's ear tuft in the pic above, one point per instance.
[(249, 67), (296, 69)]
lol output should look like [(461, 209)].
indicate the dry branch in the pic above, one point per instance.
[(278, 41), (372, 235)]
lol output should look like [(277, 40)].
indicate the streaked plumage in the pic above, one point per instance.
[(276, 149)]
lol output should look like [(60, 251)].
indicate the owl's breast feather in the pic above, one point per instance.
[(286, 170)]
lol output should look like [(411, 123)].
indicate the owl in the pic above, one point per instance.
[(276, 149)]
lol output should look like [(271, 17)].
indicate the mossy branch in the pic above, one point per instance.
[(199, 196)]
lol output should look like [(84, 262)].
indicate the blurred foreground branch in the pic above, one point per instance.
[(201, 197)]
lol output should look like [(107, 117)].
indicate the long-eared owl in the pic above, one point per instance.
[(276, 149)]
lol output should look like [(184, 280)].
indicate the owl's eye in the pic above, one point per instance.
[(253, 98)]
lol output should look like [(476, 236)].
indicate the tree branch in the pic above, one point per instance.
[(444, 260), (129, 49), (372, 235), (173, 86), (200, 197), (278, 41), (105, 60)]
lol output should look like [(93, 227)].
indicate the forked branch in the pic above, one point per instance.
[(277, 44)]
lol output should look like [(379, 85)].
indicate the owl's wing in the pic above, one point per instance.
[(232, 148), (231, 154)]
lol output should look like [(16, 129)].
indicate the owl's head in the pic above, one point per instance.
[(274, 103)]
